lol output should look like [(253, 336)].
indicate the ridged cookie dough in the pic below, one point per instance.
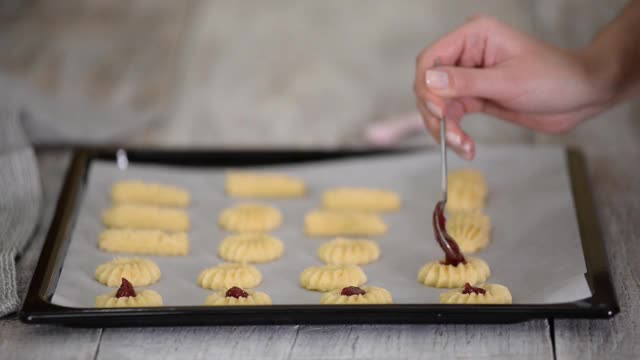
[(227, 275), (436, 274), (470, 229), (349, 251), (149, 242), (144, 298), (146, 217), (140, 272), (329, 277), (343, 223), (254, 298), (373, 295), (263, 185), (251, 247), (467, 190), (495, 294), (139, 192), (250, 218), (360, 199)]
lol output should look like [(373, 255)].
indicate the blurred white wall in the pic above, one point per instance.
[(253, 73)]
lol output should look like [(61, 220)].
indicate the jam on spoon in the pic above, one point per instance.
[(468, 289), (352, 290), (236, 292), (125, 290), (452, 254)]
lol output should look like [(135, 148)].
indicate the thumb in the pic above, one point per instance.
[(451, 82)]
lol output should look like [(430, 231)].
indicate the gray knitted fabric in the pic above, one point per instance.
[(20, 203)]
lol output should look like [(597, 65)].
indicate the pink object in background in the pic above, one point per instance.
[(395, 129)]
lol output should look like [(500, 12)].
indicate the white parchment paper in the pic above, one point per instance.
[(535, 249)]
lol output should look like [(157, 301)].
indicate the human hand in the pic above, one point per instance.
[(486, 66)]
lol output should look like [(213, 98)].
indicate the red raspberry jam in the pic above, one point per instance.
[(468, 289), (352, 290), (452, 254), (125, 290), (236, 292)]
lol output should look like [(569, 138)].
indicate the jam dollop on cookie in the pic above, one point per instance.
[(356, 295), (352, 290), (468, 289), (236, 292), (125, 290)]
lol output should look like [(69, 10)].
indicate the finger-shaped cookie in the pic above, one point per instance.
[(149, 242), (139, 192), (146, 217), (360, 199), (263, 185)]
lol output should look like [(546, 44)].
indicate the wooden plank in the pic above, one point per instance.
[(528, 340), (225, 342), (617, 189), (21, 341)]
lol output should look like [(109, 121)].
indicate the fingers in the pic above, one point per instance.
[(430, 121), (456, 86), (449, 82), (467, 39), (457, 139), (464, 46)]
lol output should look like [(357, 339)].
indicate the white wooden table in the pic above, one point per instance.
[(610, 142)]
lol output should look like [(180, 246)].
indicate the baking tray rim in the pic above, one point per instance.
[(38, 309)]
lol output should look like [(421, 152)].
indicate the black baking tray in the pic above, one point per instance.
[(37, 308)]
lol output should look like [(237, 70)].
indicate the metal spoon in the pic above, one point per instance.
[(443, 155), (443, 150)]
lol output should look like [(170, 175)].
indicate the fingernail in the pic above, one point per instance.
[(434, 109), (454, 141), (463, 149), (437, 79), (467, 150)]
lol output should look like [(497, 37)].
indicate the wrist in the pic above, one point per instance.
[(614, 56), (604, 74)]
